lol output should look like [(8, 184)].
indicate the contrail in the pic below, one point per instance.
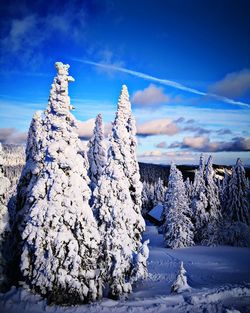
[(164, 82)]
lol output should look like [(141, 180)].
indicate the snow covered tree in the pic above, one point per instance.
[(188, 185), (116, 217), (224, 189), (160, 191), (34, 158), (147, 197), (124, 145), (4, 222), (189, 190), (235, 234), (237, 206), (13, 159), (59, 237), (34, 162), (177, 227), (140, 270), (199, 202), (180, 284), (211, 232), (97, 155), (212, 191)]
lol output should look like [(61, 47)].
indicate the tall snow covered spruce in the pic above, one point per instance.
[(237, 206), (60, 240), (34, 162), (211, 232), (124, 145), (117, 203), (199, 202), (97, 155), (4, 222), (212, 191), (177, 228)]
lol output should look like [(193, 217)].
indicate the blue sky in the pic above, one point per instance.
[(197, 98)]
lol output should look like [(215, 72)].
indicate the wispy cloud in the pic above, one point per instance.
[(166, 82), (22, 37), (233, 85), (204, 144)]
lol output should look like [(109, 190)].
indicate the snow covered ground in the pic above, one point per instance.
[(219, 277)]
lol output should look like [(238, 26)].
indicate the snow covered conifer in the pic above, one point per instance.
[(119, 214), (124, 145), (4, 221), (116, 217), (96, 153), (159, 192), (237, 198), (224, 190), (145, 199), (211, 232), (188, 186), (34, 160), (177, 227), (180, 284), (140, 262), (148, 197), (189, 190), (60, 240), (199, 202), (212, 191)]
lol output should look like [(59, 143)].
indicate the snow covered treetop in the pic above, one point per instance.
[(59, 101), (123, 102), (98, 122), (62, 69), (202, 163), (239, 162)]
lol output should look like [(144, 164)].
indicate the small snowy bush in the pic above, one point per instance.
[(180, 284)]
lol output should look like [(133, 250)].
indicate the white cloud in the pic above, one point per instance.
[(157, 127), (195, 142), (150, 96)]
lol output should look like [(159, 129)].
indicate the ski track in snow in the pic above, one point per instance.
[(219, 277)]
